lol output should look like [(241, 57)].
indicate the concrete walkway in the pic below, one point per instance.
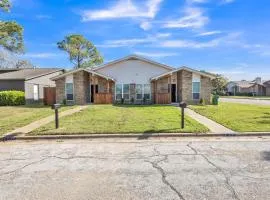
[(36, 124), (214, 127)]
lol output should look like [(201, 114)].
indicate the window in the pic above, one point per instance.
[(147, 91), (139, 91), (126, 91), (196, 86), (36, 92), (118, 91), (69, 91)]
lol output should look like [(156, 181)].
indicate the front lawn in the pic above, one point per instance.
[(248, 97), (123, 119), (238, 117), (12, 117)]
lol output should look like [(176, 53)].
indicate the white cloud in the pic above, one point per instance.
[(40, 55), (124, 9), (156, 54), (43, 17), (227, 1), (134, 41), (146, 26), (189, 44), (163, 35), (209, 33), (194, 18), (197, 1)]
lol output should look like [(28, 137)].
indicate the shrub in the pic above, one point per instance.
[(12, 98), (122, 100), (202, 101), (215, 99)]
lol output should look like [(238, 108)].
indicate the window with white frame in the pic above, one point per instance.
[(35, 92), (69, 88), (196, 86), (126, 91), (69, 91), (147, 91), (118, 91), (139, 91)]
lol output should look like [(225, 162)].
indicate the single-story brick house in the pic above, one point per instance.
[(31, 81), (133, 79)]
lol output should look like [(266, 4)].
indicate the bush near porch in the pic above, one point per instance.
[(123, 119), (238, 117)]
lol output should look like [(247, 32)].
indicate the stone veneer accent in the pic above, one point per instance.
[(81, 87), (60, 90)]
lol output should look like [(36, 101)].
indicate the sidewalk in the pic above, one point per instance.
[(36, 124), (214, 127)]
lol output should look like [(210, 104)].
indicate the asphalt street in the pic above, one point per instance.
[(167, 168)]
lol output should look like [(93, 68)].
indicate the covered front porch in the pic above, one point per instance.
[(100, 89)]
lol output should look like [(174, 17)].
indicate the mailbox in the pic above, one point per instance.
[(182, 105), (56, 106)]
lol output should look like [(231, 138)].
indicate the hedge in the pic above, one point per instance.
[(12, 98)]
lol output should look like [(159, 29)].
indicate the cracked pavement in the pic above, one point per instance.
[(166, 168)]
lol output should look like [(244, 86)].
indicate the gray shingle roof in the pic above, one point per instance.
[(26, 74)]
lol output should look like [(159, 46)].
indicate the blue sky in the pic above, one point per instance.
[(222, 36)]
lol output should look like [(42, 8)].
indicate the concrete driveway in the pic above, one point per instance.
[(196, 169), (246, 101)]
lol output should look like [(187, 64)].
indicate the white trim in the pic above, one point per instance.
[(183, 68), (196, 92), (78, 70), (36, 98), (72, 91)]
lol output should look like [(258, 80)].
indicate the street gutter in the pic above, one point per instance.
[(139, 136)]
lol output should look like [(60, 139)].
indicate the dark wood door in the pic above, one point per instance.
[(173, 92), (92, 94)]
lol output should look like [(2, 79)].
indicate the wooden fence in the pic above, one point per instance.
[(103, 98), (49, 95), (163, 98)]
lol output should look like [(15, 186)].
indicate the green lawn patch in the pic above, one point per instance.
[(238, 117), (12, 117), (123, 119), (248, 97)]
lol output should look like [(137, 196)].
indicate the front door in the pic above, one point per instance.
[(92, 94), (173, 93)]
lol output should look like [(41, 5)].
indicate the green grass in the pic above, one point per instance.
[(122, 119), (238, 117), (12, 117)]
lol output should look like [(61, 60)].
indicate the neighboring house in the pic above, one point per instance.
[(6, 70), (31, 81), (255, 87), (133, 79)]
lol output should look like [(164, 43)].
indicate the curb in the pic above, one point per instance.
[(139, 136)]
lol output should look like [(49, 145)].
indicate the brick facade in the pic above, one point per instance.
[(81, 87), (206, 89), (186, 89), (160, 88)]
